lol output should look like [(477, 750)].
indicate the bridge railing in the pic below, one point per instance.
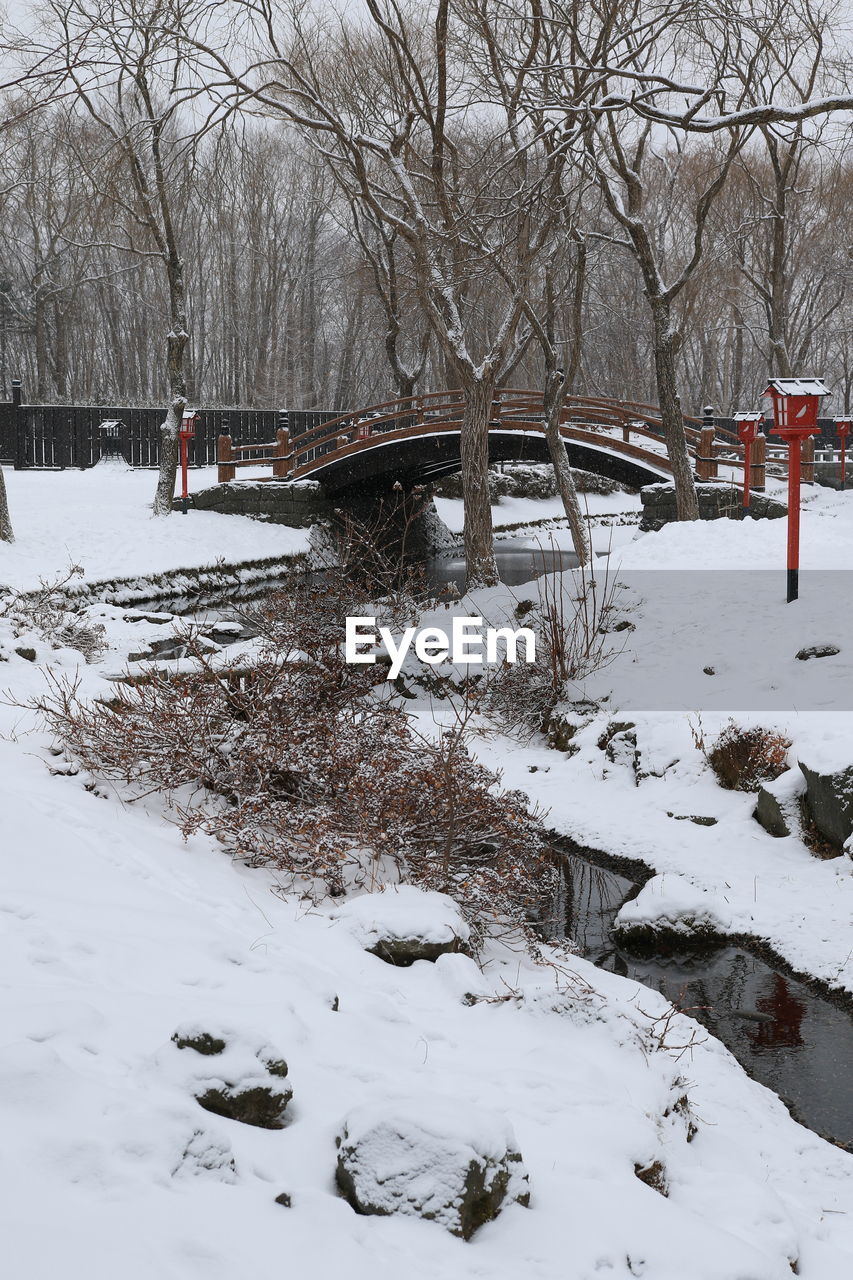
[(276, 453), (511, 407), (635, 429)]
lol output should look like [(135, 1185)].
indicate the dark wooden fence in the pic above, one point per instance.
[(54, 436)]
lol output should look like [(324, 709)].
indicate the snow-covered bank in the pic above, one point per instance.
[(703, 646), (524, 511), (116, 934), (101, 520)]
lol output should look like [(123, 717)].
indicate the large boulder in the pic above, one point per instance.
[(777, 808), (403, 924), (829, 795), (429, 1158)]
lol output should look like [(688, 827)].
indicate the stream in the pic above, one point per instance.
[(518, 560), (783, 1034)]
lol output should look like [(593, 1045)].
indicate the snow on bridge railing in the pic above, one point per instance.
[(513, 409)]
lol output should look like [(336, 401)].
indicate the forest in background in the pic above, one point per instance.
[(283, 303)]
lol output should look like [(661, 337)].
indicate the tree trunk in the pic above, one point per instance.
[(480, 567), (553, 403), (40, 328), (176, 343), (6, 534), (666, 346)]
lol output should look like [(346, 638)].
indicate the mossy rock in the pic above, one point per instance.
[(405, 951), (276, 1067), (648, 939), (259, 1105), (203, 1042), (381, 1173)]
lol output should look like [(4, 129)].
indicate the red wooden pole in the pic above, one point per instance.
[(184, 492), (747, 470), (793, 519), (843, 439)]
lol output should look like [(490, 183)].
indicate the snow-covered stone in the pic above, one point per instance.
[(430, 1158), (670, 910), (829, 794), (402, 924), (778, 805)]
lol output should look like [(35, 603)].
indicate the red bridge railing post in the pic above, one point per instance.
[(706, 463), (224, 456)]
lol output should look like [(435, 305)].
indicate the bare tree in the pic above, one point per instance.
[(561, 360), (6, 534), (122, 61), (379, 245), (396, 107)]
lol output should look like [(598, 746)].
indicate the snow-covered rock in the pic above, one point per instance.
[(829, 793), (245, 1083), (778, 805), (670, 910), (430, 1158), (402, 924)]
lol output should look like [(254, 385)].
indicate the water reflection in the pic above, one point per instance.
[(518, 561), (785, 1036)]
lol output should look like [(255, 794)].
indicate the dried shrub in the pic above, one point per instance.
[(300, 764), (51, 612), (571, 622), (744, 759)]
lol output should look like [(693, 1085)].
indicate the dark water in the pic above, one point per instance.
[(784, 1035), (518, 560)]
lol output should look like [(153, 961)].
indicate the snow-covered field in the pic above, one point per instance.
[(116, 933), (100, 519)]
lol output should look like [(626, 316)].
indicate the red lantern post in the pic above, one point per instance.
[(747, 430), (186, 433), (842, 430), (795, 406)]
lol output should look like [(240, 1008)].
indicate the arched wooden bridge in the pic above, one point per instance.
[(416, 440)]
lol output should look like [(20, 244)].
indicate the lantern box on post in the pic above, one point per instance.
[(842, 430), (747, 429), (795, 407), (185, 434)]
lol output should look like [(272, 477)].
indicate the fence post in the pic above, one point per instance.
[(84, 444), (706, 465), (281, 465), (807, 460), (224, 455), (758, 478), (19, 427)]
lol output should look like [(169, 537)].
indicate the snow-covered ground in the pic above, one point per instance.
[(521, 511), (100, 519), (116, 933), (713, 638)]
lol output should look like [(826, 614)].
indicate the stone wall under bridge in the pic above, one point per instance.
[(717, 500), (299, 504)]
